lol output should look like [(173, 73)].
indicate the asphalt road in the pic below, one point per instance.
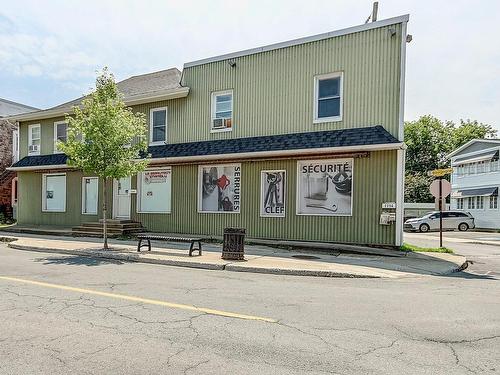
[(66, 314)]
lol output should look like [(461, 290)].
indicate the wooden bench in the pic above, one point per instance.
[(160, 237)]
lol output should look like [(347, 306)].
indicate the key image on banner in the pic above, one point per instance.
[(325, 187), (272, 193), (219, 188)]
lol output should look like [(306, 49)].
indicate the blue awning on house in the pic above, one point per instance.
[(484, 192)]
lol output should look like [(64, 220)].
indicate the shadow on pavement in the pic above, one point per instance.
[(78, 261)]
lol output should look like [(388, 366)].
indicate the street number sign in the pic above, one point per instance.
[(440, 172)]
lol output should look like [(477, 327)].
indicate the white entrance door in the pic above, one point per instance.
[(121, 198)]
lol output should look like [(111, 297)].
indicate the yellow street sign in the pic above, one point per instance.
[(440, 172)]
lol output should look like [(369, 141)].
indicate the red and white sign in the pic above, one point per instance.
[(445, 188)]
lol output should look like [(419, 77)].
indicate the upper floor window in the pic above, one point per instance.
[(158, 125), (328, 97), (222, 111), (60, 133), (34, 139)]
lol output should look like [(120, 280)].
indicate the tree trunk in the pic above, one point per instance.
[(105, 213)]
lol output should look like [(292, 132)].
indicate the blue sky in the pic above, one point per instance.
[(49, 54)]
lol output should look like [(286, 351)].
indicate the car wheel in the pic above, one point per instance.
[(462, 227), (424, 228)]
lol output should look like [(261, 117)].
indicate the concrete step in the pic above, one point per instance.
[(112, 225)]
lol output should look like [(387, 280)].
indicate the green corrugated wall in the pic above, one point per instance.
[(273, 91), (374, 183), (273, 94)]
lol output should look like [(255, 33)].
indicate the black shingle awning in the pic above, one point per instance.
[(41, 160), (367, 136), (296, 141), (484, 192)]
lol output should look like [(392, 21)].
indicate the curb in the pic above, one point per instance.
[(230, 266), (179, 263)]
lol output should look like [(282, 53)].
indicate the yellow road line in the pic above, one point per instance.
[(140, 300)]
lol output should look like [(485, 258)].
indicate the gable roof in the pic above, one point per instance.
[(344, 140), (9, 107), (143, 88), (464, 146), (309, 39)]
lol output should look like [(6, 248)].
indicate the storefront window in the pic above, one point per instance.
[(325, 187), (219, 188), (54, 192), (155, 189)]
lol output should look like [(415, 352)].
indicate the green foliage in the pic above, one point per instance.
[(105, 137), (417, 188), (428, 141), (408, 247), (468, 130)]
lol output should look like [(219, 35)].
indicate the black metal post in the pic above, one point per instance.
[(440, 212)]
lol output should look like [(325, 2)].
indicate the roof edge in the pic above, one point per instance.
[(155, 96), (308, 39), (472, 141)]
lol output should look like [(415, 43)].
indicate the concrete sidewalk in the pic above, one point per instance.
[(259, 259)]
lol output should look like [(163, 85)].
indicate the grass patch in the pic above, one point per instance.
[(408, 247)]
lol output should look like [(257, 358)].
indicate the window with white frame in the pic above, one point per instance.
[(493, 202), (328, 97), (480, 203), (471, 203), (54, 192), (90, 195), (155, 188), (222, 111), (158, 125), (34, 139), (60, 134), (460, 204)]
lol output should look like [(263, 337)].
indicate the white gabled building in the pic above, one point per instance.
[(476, 180)]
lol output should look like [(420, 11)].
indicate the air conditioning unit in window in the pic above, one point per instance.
[(219, 123), (33, 148)]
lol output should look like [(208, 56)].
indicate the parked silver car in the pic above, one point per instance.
[(451, 220)]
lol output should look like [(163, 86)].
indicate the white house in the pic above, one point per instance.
[(476, 180)]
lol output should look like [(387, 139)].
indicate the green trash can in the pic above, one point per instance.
[(233, 247)]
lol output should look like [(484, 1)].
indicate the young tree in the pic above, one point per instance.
[(105, 138)]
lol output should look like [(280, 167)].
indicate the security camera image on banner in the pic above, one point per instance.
[(325, 187), (272, 193), (219, 188)]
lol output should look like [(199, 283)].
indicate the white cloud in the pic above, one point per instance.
[(452, 68)]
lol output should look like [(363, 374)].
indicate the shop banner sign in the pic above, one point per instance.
[(156, 177), (324, 187), (219, 188), (272, 193)]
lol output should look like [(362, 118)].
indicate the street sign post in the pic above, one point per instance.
[(440, 189)]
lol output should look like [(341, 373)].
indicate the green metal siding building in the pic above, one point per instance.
[(315, 124)]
